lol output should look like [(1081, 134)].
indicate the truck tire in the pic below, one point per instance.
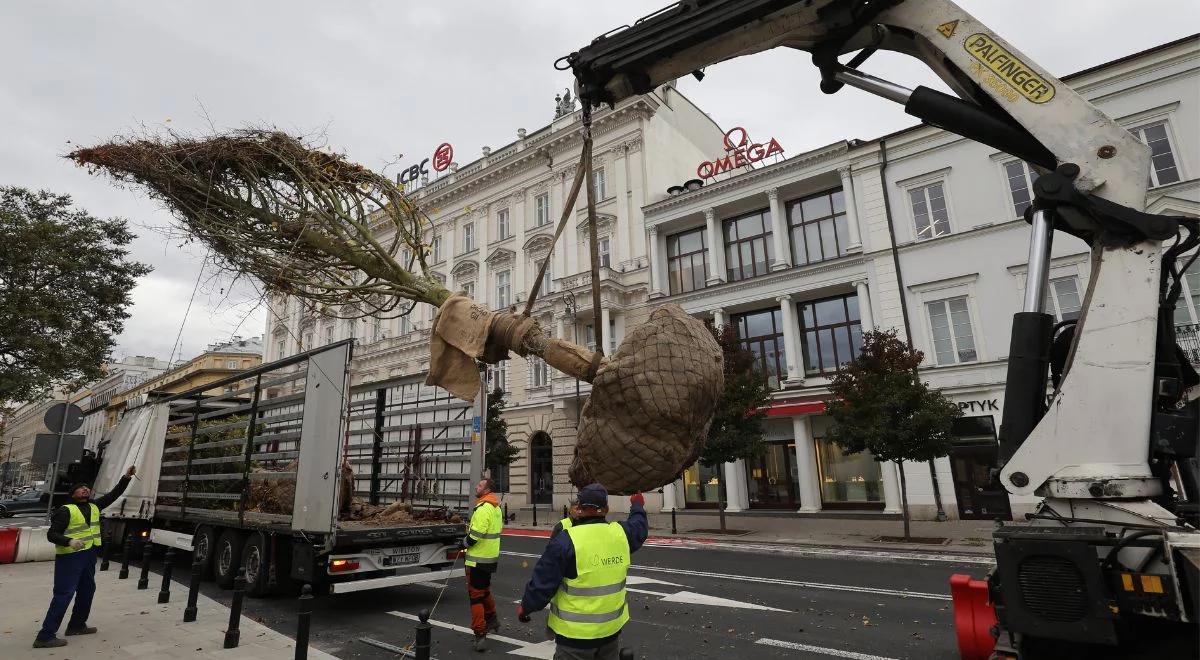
[(204, 546), (228, 557), (256, 559), (3, 512)]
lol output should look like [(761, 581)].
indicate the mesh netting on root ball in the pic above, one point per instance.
[(651, 405)]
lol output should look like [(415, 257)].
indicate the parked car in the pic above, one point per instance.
[(32, 501)]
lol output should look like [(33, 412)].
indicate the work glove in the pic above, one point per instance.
[(76, 544), (462, 543), (131, 471), (521, 615), (637, 498)]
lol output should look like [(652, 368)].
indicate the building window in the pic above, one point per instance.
[(929, 211), (329, 334), (468, 289), (589, 333), (854, 479), (832, 333), (539, 372), (1064, 296), (279, 348), (748, 250), (308, 343), (503, 289), (437, 249), (404, 325), (953, 339), (1020, 184), (761, 333), (818, 227), (598, 181), (498, 377), (700, 485), (541, 209), (603, 250), (502, 223), (548, 276), (468, 237), (1163, 169), (687, 261), (376, 329), (231, 364), (406, 258), (1187, 310)]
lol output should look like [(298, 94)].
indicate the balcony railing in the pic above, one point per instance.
[(1188, 336)]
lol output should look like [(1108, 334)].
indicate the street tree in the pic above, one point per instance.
[(737, 429), (880, 405), (65, 282), (499, 452)]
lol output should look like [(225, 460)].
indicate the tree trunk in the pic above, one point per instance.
[(721, 497), (904, 500)]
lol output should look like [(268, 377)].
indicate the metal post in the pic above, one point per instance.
[(62, 431), (164, 592), (506, 518), (144, 579), (105, 552), (189, 612), (424, 636), (1040, 243), (535, 510), (233, 634), (673, 528), (124, 558), (303, 621)]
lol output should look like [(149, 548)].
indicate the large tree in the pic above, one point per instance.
[(65, 278), (880, 405), (499, 452), (737, 429)]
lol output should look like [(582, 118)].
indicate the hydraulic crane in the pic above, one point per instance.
[(1102, 414)]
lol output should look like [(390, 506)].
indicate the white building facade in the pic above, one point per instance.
[(920, 231), (493, 222), (121, 376)]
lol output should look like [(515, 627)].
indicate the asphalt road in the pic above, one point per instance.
[(722, 600)]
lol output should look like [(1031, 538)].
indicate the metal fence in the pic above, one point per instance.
[(1188, 337)]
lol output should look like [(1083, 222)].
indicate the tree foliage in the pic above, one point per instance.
[(737, 429), (65, 282), (499, 452)]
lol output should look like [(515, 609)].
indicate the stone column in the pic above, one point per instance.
[(735, 486), (560, 327), (809, 487), (864, 305), (719, 318), (605, 320), (671, 500), (517, 222), (618, 182), (851, 210), (716, 248), (791, 340), (657, 288), (779, 232), (891, 488)]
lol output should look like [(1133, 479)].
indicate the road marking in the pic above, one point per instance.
[(780, 581), (715, 601), (837, 653), (643, 591), (543, 650), (886, 555), (461, 629), (641, 579)]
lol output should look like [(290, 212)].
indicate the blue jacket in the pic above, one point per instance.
[(558, 562)]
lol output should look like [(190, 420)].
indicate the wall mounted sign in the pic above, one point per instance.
[(442, 157), (981, 406), (740, 151)]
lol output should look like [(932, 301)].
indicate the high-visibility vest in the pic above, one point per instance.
[(592, 604), (79, 528), (566, 523), (486, 524)]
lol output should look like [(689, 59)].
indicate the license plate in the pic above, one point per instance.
[(401, 560)]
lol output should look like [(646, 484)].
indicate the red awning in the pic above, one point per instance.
[(787, 408)]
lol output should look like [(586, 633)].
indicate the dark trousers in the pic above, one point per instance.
[(483, 607), (74, 576), (607, 651)]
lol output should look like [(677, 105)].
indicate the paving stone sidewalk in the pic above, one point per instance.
[(132, 624)]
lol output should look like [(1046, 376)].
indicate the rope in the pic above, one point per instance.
[(594, 248), (568, 207)]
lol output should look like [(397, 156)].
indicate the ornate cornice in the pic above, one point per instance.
[(539, 241), (767, 281), (500, 256), (465, 267)]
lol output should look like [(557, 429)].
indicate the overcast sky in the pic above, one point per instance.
[(382, 79)]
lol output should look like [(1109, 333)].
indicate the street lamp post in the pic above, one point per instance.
[(573, 310)]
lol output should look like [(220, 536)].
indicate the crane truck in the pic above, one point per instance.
[(1102, 419), (263, 470)]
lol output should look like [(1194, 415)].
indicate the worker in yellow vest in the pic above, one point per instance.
[(75, 530), (566, 523), (581, 576), (483, 554)]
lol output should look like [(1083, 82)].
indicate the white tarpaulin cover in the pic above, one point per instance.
[(138, 441)]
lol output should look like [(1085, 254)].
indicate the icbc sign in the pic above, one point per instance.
[(740, 151), (442, 156)]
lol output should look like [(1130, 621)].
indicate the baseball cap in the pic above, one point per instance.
[(593, 495)]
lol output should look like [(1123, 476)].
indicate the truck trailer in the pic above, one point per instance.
[(270, 471)]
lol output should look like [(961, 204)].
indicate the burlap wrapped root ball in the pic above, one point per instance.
[(651, 405)]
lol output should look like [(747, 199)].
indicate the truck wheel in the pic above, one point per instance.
[(3, 512), (204, 545), (256, 558), (228, 558)]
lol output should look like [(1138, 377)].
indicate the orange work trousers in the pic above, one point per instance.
[(483, 607)]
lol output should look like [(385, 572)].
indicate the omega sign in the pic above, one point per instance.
[(740, 151)]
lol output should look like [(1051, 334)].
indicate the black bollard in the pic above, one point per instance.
[(626, 654), (304, 619), (535, 514), (564, 511), (233, 634), (144, 579), (673, 530), (424, 636), (189, 612), (105, 551), (506, 518), (124, 558), (164, 592)]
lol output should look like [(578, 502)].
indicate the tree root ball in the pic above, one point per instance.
[(651, 406)]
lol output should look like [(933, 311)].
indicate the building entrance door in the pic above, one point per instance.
[(771, 478), (541, 468), (973, 460)]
